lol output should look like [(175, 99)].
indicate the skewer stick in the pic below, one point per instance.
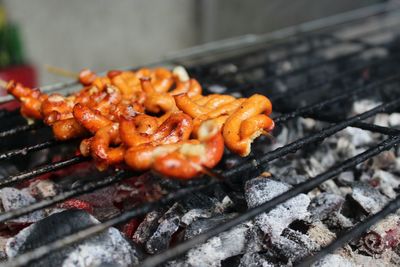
[(61, 72)]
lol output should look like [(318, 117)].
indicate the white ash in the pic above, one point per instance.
[(320, 234), (259, 190), (254, 260), (334, 260), (369, 198), (385, 160), (394, 119), (382, 119), (227, 244), (194, 215), (43, 188), (346, 178), (357, 137), (387, 182), (13, 199), (362, 106), (323, 205)]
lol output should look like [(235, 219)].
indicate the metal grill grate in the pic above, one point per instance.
[(328, 89)]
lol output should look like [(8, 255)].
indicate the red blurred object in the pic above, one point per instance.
[(77, 204), (25, 74), (130, 227)]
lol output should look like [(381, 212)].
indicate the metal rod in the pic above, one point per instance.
[(22, 176)]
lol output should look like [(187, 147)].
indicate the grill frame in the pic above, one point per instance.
[(308, 111)]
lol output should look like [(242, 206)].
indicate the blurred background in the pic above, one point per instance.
[(104, 34)]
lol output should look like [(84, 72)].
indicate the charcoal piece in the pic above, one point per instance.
[(358, 137), (254, 259), (147, 227), (194, 215), (233, 242), (387, 182), (336, 221), (169, 224), (346, 178), (13, 199), (260, 190), (293, 245), (201, 225), (394, 119), (384, 160), (289, 250), (108, 247), (369, 198), (320, 234), (324, 204), (334, 260), (43, 188)]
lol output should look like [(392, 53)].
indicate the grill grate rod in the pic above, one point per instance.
[(47, 202), (291, 148), (20, 129), (25, 150), (183, 247), (300, 70), (313, 48), (22, 176), (354, 232)]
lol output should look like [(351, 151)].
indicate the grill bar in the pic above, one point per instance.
[(40, 170), (20, 129), (27, 149), (86, 188)]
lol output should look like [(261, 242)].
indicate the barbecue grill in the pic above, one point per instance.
[(314, 70)]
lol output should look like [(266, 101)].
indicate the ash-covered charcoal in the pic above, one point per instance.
[(194, 215), (236, 241), (324, 204), (201, 225), (346, 178), (386, 182), (13, 199), (147, 227), (382, 236), (254, 260), (43, 188), (334, 260), (260, 190), (169, 224), (293, 246), (106, 248), (320, 234), (369, 198), (385, 160)]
